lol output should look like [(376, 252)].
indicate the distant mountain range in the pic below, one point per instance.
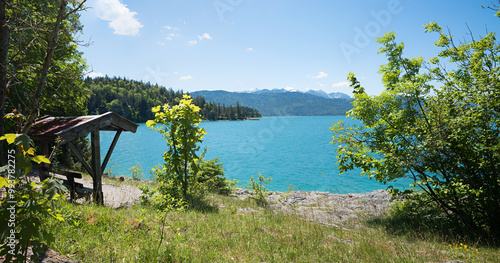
[(283, 102), (319, 93)]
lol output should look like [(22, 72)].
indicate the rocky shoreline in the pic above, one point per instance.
[(326, 208), (321, 207)]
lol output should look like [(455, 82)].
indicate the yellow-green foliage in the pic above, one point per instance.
[(26, 205), (179, 125), (446, 138)]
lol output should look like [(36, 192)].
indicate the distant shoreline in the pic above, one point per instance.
[(247, 119)]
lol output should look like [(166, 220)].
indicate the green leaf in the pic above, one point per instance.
[(3, 182), (11, 137), (40, 159), (24, 140)]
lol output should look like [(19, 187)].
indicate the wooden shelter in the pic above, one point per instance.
[(63, 130)]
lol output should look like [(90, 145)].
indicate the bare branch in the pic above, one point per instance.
[(80, 7)]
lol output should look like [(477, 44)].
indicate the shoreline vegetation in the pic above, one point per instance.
[(294, 226), (247, 119), (436, 119), (133, 100)]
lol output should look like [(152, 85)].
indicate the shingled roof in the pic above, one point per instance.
[(69, 128), (66, 129)]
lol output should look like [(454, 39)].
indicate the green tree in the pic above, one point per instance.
[(134, 100), (41, 69), (446, 138), (179, 125)]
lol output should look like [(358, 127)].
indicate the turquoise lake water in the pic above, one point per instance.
[(290, 150)]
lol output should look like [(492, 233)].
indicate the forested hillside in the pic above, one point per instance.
[(134, 100), (282, 104)]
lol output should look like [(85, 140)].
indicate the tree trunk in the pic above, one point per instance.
[(186, 160), (4, 50), (51, 47)]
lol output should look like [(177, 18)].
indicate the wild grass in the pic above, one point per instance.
[(225, 229), (115, 180)]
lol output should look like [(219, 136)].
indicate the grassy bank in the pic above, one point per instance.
[(225, 229)]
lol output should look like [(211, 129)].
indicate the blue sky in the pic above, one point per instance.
[(242, 45)]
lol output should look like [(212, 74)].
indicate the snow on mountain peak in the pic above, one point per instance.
[(319, 93)]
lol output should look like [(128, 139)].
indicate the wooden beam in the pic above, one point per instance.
[(80, 130), (122, 122), (106, 121), (110, 150), (80, 158), (95, 145)]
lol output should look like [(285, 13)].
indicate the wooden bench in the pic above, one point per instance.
[(75, 189)]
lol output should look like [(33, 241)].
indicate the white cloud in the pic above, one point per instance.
[(122, 20), (95, 74), (185, 77), (175, 73), (171, 36), (192, 42), (340, 84), (319, 76), (320, 84), (291, 89), (170, 28), (206, 36), (161, 43), (249, 49)]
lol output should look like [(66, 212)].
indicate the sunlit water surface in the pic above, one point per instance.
[(291, 150)]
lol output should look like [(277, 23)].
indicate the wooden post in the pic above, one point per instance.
[(45, 148), (96, 166), (110, 150), (45, 151), (81, 159)]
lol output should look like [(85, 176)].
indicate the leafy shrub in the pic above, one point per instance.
[(211, 174), (165, 195), (26, 204), (179, 126), (184, 176), (260, 192), (446, 138), (137, 173)]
